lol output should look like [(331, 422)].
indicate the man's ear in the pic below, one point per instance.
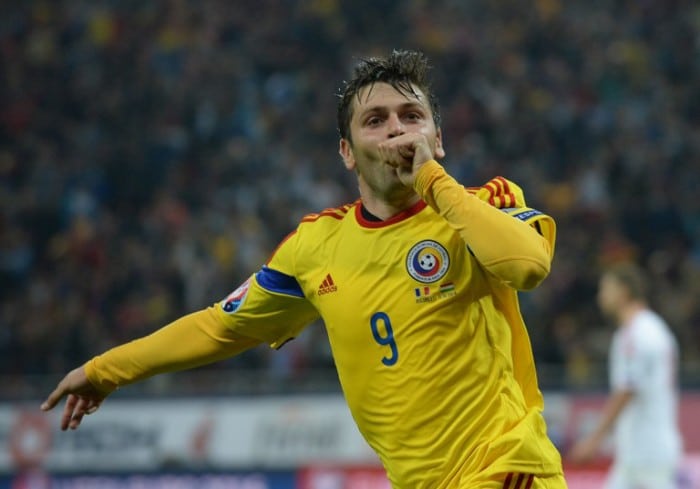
[(345, 151), (439, 150)]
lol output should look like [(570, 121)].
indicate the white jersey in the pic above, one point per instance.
[(643, 359)]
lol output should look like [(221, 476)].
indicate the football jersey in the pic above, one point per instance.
[(430, 347), (643, 359)]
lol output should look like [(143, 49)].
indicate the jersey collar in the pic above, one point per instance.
[(368, 222)]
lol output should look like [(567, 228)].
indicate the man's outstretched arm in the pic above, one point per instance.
[(193, 340)]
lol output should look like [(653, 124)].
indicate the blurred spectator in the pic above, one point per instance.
[(158, 150)]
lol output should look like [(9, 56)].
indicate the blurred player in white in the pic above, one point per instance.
[(642, 407)]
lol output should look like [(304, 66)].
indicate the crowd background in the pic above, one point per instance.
[(153, 153)]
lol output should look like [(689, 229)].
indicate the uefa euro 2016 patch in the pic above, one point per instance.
[(235, 299)]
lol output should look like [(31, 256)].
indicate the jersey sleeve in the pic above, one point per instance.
[(510, 249), (506, 195), (270, 306), (196, 339), (538, 220)]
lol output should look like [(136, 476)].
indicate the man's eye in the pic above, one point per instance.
[(373, 121), (413, 116)]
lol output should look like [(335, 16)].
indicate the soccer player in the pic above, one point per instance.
[(416, 283), (643, 403)]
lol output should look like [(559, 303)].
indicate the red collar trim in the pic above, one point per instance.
[(404, 214)]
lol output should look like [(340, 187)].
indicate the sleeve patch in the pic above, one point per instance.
[(235, 299), (524, 215), (278, 282)]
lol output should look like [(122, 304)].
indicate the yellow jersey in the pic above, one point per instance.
[(423, 320), (430, 347)]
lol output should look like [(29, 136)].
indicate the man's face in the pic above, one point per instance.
[(611, 295), (380, 113)]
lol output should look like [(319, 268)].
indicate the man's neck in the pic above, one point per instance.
[(629, 311), (384, 210), (387, 207)]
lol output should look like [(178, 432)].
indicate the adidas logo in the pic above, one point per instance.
[(327, 286)]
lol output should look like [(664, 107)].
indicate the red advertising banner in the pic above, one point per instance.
[(342, 477)]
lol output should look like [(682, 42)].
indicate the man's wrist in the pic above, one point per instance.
[(100, 384), (425, 175)]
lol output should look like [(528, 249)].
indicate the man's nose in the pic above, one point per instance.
[(396, 127)]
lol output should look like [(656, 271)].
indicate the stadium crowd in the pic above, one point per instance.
[(153, 153)]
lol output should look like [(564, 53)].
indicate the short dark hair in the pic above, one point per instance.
[(403, 70), (632, 278)]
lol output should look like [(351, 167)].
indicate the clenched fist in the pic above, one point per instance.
[(407, 153)]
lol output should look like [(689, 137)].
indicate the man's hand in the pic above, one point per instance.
[(407, 153), (82, 398)]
